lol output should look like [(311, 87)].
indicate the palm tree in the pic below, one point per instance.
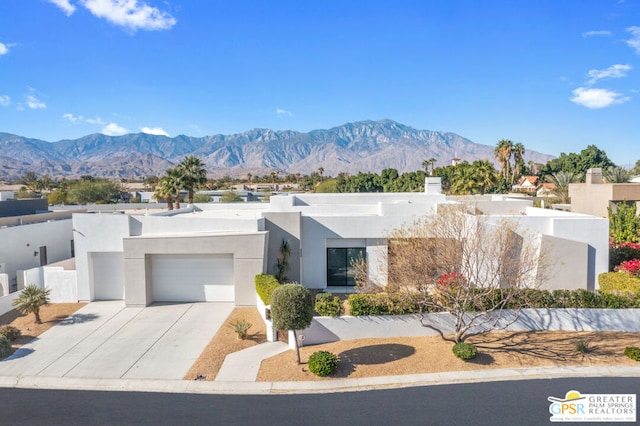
[(169, 187), (162, 192), (31, 300), (464, 180), (320, 171), (193, 174), (518, 160), (485, 174), (561, 180), (502, 152), (617, 175), (249, 176), (431, 161)]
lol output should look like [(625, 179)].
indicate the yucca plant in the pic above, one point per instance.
[(31, 300)]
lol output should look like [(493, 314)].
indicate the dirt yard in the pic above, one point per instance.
[(50, 315), (226, 341), (415, 355)]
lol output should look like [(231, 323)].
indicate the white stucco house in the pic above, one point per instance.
[(211, 252)]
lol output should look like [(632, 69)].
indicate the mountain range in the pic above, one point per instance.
[(364, 146)]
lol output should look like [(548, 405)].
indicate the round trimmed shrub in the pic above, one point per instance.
[(632, 352), (322, 363), (5, 346), (465, 350), (10, 332)]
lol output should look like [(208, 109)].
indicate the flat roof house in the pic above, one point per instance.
[(595, 196), (213, 252)]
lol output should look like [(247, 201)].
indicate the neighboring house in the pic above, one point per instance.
[(28, 241), (545, 189), (526, 185), (594, 196), (213, 252)]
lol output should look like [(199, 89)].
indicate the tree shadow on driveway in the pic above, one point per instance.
[(75, 319)]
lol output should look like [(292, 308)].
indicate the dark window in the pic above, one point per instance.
[(339, 269)]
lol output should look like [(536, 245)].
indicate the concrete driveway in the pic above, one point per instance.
[(109, 340)]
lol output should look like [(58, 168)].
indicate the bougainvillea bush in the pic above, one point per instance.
[(631, 267)]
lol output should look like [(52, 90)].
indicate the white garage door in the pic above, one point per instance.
[(108, 276), (192, 278)]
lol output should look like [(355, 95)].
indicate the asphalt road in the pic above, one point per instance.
[(495, 403)]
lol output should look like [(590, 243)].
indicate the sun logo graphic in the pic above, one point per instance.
[(571, 404), (577, 407)]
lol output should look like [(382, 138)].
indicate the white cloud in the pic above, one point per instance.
[(4, 48), (4, 100), (634, 41), (614, 71), (64, 5), (596, 33), (73, 118), (131, 14), (597, 98), (34, 103), (154, 131), (112, 129), (96, 120), (282, 112)]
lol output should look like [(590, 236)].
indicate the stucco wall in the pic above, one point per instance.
[(248, 250), (20, 245)]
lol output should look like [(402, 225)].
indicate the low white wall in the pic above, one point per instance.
[(327, 329), (63, 284), (272, 335), (30, 276), (4, 284), (5, 302)]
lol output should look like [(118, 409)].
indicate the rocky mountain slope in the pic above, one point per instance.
[(353, 147)]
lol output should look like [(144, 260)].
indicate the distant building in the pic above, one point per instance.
[(595, 196)]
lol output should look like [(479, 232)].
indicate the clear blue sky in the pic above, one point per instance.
[(555, 75)]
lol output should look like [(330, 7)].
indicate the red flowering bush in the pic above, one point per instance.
[(450, 280), (631, 267)]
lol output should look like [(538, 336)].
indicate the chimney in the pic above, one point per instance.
[(594, 176), (432, 185)]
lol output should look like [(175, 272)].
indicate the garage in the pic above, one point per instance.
[(108, 276), (192, 278)]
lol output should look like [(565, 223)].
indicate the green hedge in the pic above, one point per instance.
[(265, 285), (328, 305), (612, 282), (381, 304), (385, 304)]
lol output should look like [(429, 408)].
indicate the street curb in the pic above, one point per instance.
[(313, 387)]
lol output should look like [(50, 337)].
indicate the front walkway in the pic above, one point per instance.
[(243, 366), (109, 340)]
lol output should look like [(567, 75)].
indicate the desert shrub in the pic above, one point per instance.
[(582, 346), (5, 346), (632, 352), (265, 285), (10, 332), (618, 282), (465, 350), (328, 305), (621, 253), (322, 363), (241, 327)]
